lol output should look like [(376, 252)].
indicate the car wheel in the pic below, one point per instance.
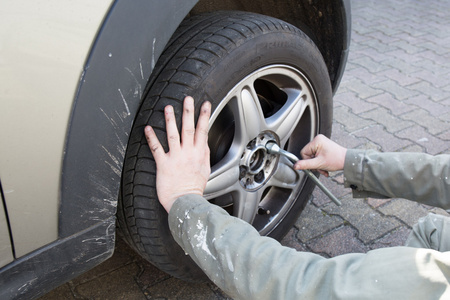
[(266, 81)]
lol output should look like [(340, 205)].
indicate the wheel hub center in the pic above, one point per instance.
[(256, 159), (256, 165)]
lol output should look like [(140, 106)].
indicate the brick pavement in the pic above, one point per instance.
[(395, 96)]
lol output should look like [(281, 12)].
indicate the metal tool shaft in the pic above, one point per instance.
[(273, 148)]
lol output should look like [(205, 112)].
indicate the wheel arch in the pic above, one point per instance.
[(121, 60), (327, 23)]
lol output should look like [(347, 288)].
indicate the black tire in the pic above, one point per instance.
[(217, 57)]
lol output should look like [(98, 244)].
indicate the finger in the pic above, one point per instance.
[(324, 173), (154, 144), (309, 151), (308, 164), (188, 127), (173, 136), (201, 133)]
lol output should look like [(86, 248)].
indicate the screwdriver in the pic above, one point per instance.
[(273, 148)]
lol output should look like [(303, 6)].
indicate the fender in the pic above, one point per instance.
[(130, 42)]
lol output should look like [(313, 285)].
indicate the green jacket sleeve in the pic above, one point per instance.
[(414, 176), (247, 266)]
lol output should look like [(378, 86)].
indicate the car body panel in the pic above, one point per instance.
[(6, 251), (35, 274), (39, 81)]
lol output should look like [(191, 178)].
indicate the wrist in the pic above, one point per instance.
[(167, 202)]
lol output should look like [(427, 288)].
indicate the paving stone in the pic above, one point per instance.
[(291, 241), (407, 211), (342, 241), (150, 275), (61, 292), (434, 60), (384, 117), (395, 106), (118, 284), (365, 76), (361, 216), (409, 48), (395, 238), (370, 64), (184, 290), (414, 148), (363, 90), (343, 138), (356, 104), (445, 136), (314, 222), (446, 101), (399, 92), (418, 135), (429, 90), (384, 38), (432, 78), (386, 141), (401, 77), (376, 203), (400, 55), (434, 108), (336, 188), (432, 124), (351, 121)]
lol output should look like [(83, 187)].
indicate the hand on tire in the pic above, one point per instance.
[(185, 168), (323, 155)]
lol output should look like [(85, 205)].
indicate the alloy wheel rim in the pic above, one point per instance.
[(275, 103)]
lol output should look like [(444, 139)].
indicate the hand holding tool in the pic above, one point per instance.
[(273, 148)]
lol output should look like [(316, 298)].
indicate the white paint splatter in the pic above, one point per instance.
[(124, 102), (201, 238), (142, 70), (111, 120), (153, 53)]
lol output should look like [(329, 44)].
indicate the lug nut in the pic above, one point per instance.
[(259, 177), (263, 211)]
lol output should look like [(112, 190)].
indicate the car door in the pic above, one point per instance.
[(6, 253)]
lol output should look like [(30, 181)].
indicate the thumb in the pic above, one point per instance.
[(310, 164)]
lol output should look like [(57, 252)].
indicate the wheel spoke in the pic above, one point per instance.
[(246, 204), (248, 115), (285, 177), (285, 120), (224, 178)]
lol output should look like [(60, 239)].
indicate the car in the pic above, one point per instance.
[(81, 79)]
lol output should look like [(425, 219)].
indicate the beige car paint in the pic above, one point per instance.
[(43, 48)]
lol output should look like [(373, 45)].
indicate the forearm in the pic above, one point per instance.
[(414, 176), (248, 266)]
